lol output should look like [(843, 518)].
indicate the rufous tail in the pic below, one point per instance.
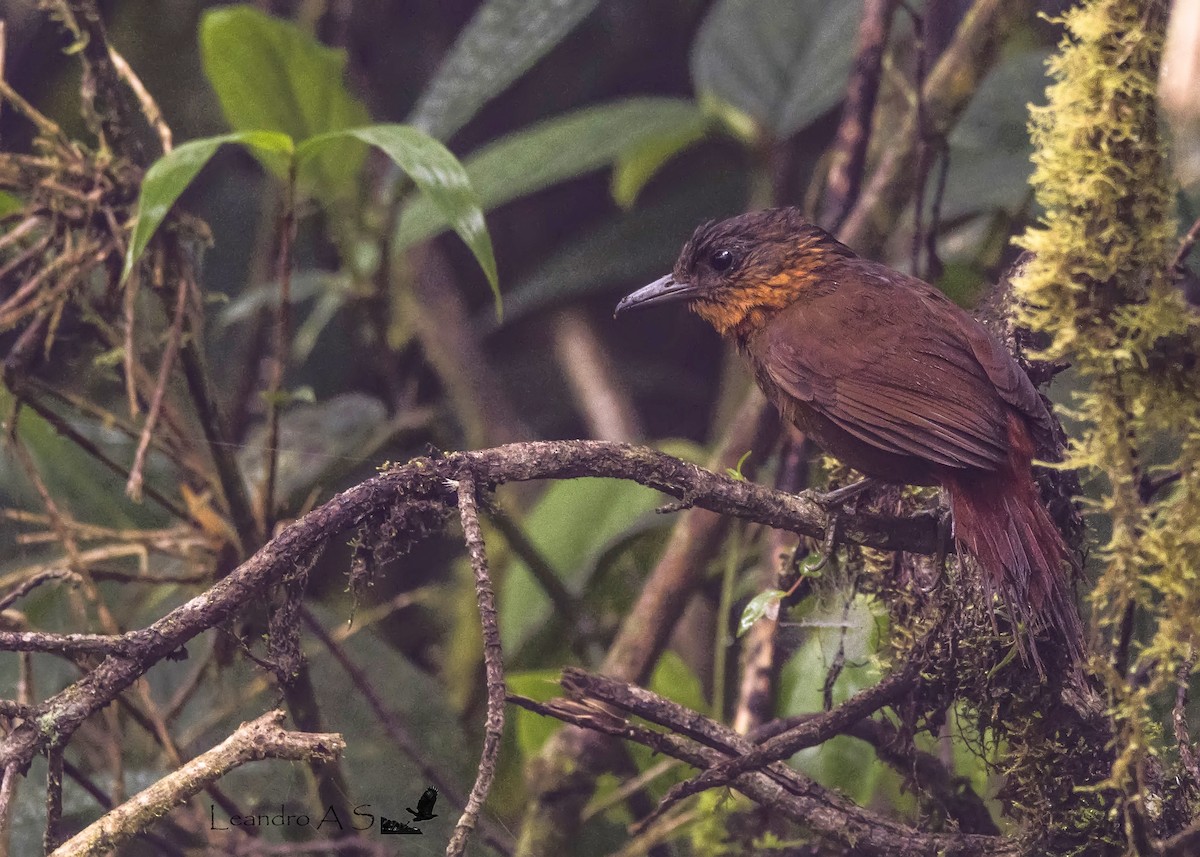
[(999, 518)]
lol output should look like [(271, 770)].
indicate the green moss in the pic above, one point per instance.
[(1101, 290)]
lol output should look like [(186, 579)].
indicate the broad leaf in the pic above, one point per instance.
[(556, 150), (171, 174), (783, 62), (571, 524), (439, 175), (269, 74), (765, 604), (499, 44), (631, 248), (989, 148), (635, 167), (533, 730)]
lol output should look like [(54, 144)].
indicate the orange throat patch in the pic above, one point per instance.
[(741, 310)]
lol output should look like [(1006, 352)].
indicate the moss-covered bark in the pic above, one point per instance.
[(1101, 289)]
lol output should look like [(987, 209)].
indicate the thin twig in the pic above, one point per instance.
[(783, 789), (145, 99), (260, 739), (850, 147), (493, 660), (409, 746), (133, 487), (808, 734), (279, 361), (1178, 264), (25, 587)]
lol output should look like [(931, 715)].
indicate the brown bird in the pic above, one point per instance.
[(890, 376)]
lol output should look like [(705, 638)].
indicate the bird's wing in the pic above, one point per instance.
[(914, 389)]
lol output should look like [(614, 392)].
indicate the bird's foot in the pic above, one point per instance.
[(828, 544), (835, 499), (945, 532)]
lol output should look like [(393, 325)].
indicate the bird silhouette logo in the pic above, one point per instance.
[(424, 810)]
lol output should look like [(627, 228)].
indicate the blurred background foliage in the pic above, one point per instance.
[(595, 136)]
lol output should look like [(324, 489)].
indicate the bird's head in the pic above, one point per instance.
[(739, 272)]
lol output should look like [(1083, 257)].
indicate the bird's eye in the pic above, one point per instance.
[(721, 260)]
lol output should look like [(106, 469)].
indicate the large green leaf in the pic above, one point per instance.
[(533, 730), (316, 440), (783, 62), (633, 247), (171, 174), (439, 175), (570, 525), (843, 763), (269, 74), (556, 150), (499, 44), (989, 147)]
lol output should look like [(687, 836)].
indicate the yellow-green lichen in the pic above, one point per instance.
[(1101, 290)]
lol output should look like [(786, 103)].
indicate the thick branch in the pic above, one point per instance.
[(423, 479)]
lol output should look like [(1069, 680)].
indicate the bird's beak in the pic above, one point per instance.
[(661, 291)]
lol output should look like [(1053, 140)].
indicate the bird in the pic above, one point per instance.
[(424, 810), (890, 376)]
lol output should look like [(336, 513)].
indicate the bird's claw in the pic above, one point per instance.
[(832, 500)]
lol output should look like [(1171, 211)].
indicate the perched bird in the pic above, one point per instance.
[(887, 374)]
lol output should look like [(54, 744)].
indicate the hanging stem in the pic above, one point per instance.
[(283, 324)]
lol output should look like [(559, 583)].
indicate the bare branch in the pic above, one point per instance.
[(780, 788), (259, 739), (493, 660), (133, 487), (424, 480), (850, 148)]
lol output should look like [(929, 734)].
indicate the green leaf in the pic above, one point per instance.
[(783, 62), (533, 730), (635, 167), (502, 41), (571, 525), (632, 247), (556, 150), (269, 74), (763, 604), (674, 679), (171, 174), (9, 204), (736, 472), (439, 175), (989, 148)]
